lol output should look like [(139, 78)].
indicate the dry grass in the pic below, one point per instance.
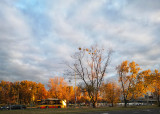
[(73, 110)]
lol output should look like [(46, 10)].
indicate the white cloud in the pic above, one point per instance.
[(35, 42)]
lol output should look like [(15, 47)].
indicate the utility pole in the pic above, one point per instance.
[(75, 90), (18, 87), (18, 96)]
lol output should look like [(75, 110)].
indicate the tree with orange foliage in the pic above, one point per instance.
[(84, 97), (128, 77), (156, 85), (111, 92), (153, 83), (79, 95), (57, 87), (5, 92), (70, 94), (41, 92), (16, 91), (30, 91), (23, 92), (142, 85), (26, 91)]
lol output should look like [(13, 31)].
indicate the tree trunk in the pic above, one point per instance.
[(94, 104), (112, 104), (158, 101), (125, 103)]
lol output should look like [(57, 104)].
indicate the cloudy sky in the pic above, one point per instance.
[(37, 36)]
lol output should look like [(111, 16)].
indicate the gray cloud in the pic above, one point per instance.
[(36, 37)]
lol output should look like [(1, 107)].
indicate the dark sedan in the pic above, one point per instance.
[(12, 107)]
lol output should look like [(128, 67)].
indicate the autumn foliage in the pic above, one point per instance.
[(133, 83), (23, 92), (129, 79), (136, 83), (28, 92), (111, 92)]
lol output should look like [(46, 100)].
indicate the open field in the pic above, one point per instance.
[(112, 110)]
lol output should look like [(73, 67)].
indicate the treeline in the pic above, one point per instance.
[(28, 92), (133, 83), (23, 92)]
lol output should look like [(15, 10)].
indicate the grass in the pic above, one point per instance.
[(73, 110)]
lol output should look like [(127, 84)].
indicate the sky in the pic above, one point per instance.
[(38, 36)]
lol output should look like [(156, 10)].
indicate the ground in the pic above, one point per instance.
[(146, 111), (105, 110)]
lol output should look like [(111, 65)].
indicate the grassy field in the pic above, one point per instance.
[(73, 110)]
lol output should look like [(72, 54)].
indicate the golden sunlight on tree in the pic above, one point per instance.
[(132, 85), (156, 85), (153, 83), (57, 88), (90, 67), (128, 78), (24, 92), (111, 92)]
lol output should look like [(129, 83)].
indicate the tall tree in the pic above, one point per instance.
[(90, 67), (153, 83), (5, 92), (128, 76), (142, 85), (156, 85)]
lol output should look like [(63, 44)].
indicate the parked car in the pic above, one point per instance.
[(12, 107), (18, 107), (4, 108)]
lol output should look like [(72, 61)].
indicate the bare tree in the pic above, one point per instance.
[(90, 67)]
